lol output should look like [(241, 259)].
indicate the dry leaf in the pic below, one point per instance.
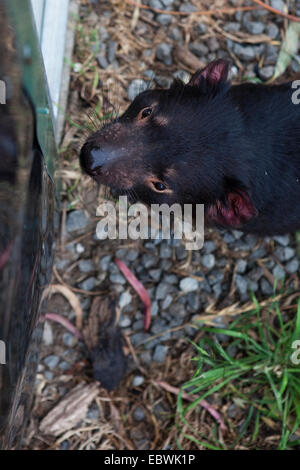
[(70, 410)]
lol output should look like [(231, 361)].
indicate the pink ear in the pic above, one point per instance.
[(214, 73), (238, 210)]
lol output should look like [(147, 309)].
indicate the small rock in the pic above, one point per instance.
[(48, 334), (171, 279), (278, 272), (76, 220), (117, 278), (85, 265), (102, 61), (51, 361), (160, 353), (232, 27), (292, 266), (139, 414), (241, 266), (69, 340), (209, 247), (241, 284), (88, 284), (155, 274), (255, 27), (154, 308), (176, 34), (213, 44), (246, 53), (182, 75), (167, 302), (125, 299), (187, 8), (188, 284), (208, 261), (164, 19), (162, 291), (124, 321), (267, 72), (111, 51), (148, 260), (138, 380), (104, 262), (103, 33), (198, 48), (164, 53), (283, 240), (136, 87), (278, 5), (156, 4), (272, 30), (284, 253), (79, 248), (93, 412), (165, 251), (266, 287)]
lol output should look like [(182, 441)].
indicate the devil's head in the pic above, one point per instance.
[(180, 145)]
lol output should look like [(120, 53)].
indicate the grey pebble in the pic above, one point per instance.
[(188, 284), (278, 4), (278, 272), (283, 240), (241, 284), (164, 19), (187, 8), (292, 266), (136, 87), (266, 287), (254, 27), (85, 265), (104, 262), (160, 353), (51, 361), (241, 266), (88, 284), (69, 340), (138, 380), (198, 48), (208, 261), (155, 274), (139, 414), (167, 302), (176, 34), (164, 53), (125, 299), (102, 61), (148, 260), (111, 51), (267, 72), (48, 334), (124, 321), (117, 278), (162, 290), (76, 220)]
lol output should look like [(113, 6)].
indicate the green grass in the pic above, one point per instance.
[(261, 379)]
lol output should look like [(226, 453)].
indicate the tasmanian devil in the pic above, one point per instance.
[(235, 149)]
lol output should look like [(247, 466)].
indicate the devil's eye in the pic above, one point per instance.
[(146, 112), (159, 186)]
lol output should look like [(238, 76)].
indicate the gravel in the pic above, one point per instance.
[(164, 53), (76, 220), (136, 86), (188, 284)]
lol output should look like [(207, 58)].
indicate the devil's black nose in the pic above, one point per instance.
[(92, 159)]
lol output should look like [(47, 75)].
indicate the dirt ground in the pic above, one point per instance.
[(119, 50)]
